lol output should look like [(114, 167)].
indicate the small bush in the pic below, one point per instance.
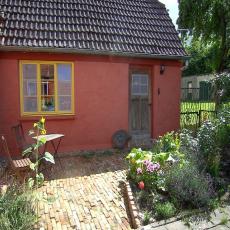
[(144, 199), (142, 168), (190, 147), (164, 210), (209, 146), (146, 218), (16, 211), (189, 187), (224, 127)]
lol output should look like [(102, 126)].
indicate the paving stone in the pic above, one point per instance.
[(220, 227), (179, 225), (150, 228), (85, 200)]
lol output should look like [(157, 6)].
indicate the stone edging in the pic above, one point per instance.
[(135, 222)]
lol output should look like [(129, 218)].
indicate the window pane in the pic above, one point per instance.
[(144, 90), (64, 103), (47, 87), (29, 71), (64, 87), (48, 103), (30, 104), (29, 75), (144, 79), (139, 84)]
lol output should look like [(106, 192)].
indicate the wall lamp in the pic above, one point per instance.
[(162, 68)]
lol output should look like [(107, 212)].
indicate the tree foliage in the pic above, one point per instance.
[(209, 21), (202, 58)]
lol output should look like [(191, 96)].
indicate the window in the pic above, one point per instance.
[(46, 87), (139, 84)]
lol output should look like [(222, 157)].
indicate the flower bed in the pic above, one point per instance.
[(180, 172)]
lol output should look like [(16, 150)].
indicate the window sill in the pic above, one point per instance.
[(47, 117)]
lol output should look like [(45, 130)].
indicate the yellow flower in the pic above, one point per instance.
[(43, 132), (35, 125), (43, 120)]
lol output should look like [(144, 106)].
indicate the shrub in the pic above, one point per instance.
[(147, 217), (142, 168), (164, 210), (188, 186), (189, 146), (169, 143), (222, 84), (209, 146), (148, 167), (224, 127), (16, 211), (144, 199)]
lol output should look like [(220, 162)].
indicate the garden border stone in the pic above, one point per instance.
[(132, 208)]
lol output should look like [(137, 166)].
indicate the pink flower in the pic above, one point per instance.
[(146, 162), (151, 167), (157, 166), (139, 171)]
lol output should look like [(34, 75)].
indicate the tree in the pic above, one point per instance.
[(202, 58), (209, 21)]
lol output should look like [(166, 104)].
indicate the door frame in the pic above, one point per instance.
[(142, 70)]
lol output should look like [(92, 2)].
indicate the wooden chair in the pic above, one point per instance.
[(21, 142), (19, 167), (20, 137)]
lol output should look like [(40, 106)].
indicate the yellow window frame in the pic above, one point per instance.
[(38, 74)]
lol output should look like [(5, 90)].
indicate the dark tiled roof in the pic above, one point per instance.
[(138, 27)]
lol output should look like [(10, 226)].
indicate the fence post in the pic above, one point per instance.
[(200, 113)]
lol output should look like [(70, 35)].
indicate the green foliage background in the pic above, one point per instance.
[(209, 21)]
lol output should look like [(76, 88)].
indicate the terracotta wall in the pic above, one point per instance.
[(166, 91), (101, 98)]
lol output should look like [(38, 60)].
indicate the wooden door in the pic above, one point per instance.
[(140, 103)]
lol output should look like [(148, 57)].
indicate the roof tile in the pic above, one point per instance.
[(128, 26)]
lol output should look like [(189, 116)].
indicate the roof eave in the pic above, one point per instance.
[(92, 52)]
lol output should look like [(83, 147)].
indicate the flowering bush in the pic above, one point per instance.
[(209, 147), (188, 187), (148, 166), (168, 146), (143, 169)]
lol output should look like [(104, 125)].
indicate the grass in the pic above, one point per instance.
[(147, 217), (224, 220), (164, 210), (16, 211)]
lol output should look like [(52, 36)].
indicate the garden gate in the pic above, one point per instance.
[(197, 105)]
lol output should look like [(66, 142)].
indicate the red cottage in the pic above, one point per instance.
[(91, 67)]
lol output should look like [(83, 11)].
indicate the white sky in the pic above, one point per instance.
[(172, 6)]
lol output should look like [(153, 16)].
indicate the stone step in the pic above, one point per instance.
[(141, 141)]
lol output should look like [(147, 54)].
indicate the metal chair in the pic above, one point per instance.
[(19, 167)]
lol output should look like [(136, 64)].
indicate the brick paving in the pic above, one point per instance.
[(85, 194)]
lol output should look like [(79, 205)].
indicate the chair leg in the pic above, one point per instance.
[(59, 160), (19, 176)]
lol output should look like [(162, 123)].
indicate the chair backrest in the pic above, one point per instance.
[(19, 136), (5, 148)]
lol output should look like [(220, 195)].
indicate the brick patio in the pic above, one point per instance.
[(86, 194)]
